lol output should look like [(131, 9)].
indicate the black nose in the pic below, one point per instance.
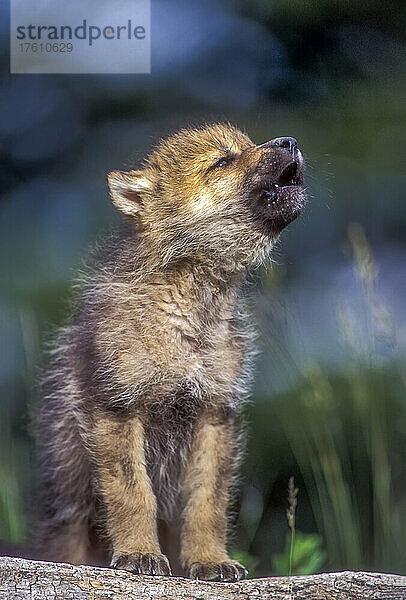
[(283, 142)]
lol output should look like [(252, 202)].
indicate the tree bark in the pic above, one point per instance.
[(22, 579)]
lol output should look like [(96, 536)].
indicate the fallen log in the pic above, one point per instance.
[(22, 579)]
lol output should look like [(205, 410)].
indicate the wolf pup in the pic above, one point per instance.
[(137, 425)]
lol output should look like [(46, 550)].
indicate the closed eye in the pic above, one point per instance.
[(224, 161)]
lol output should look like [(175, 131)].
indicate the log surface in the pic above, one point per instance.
[(22, 579)]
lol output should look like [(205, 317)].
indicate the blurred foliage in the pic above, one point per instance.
[(12, 520), (333, 75), (344, 436), (308, 556)]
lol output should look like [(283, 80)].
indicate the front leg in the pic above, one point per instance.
[(118, 449), (205, 489)]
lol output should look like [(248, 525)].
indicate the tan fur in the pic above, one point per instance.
[(205, 491), (118, 450), (140, 411)]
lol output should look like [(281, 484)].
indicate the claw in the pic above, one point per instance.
[(226, 571), (143, 564)]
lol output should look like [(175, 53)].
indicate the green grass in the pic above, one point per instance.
[(343, 436), (12, 519)]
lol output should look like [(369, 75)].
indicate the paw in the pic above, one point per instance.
[(213, 571), (143, 564)]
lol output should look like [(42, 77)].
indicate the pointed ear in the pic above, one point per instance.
[(127, 190)]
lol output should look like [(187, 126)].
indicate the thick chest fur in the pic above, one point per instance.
[(156, 344), (171, 360)]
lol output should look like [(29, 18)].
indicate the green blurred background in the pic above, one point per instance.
[(329, 405)]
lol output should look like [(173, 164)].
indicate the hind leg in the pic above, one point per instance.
[(67, 542), (64, 493)]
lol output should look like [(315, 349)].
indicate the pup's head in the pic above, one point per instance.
[(212, 193)]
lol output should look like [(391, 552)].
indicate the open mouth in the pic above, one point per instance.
[(280, 201), (290, 178), (289, 175)]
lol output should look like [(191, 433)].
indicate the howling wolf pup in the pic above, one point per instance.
[(137, 427)]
